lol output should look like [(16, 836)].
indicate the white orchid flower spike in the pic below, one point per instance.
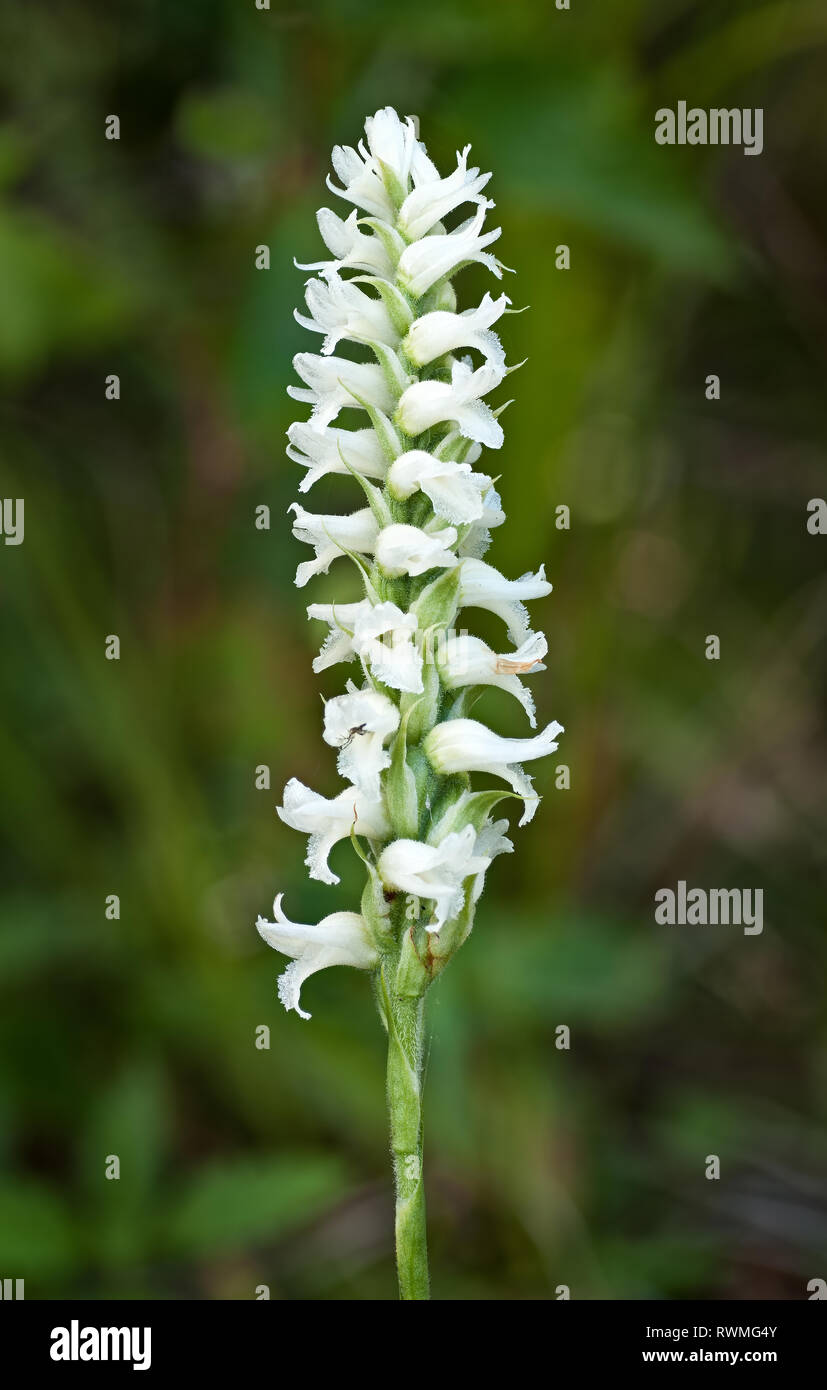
[(399, 393)]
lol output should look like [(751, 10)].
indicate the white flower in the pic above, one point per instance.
[(455, 492), (477, 538), (392, 141), (341, 618), (464, 745), (352, 249), (433, 199), (407, 550), (331, 450), (482, 586), (434, 257), (380, 634), (436, 872), (339, 309), (466, 660), (428, 403), (363, 184), (358, 724), (331, 535), (342, 938), (327, 821), (383, 636), (439, 332), (333, 383), (391, 145)]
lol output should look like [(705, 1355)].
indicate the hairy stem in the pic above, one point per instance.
[(405, 1020)]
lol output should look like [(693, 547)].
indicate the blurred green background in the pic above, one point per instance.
[(243, 1167)]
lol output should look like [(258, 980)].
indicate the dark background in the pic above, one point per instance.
[(243, 1167)]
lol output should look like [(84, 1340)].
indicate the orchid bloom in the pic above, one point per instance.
[(482, 586), (435, 334), (359, 724), (428, 403), (331, 536), (465, 745), (326, 820), (342, 938), (453, 489), (465, 660), (404, 549), (334, 451), (438, 872)]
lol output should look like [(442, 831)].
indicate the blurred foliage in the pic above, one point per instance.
[(242, 1166)]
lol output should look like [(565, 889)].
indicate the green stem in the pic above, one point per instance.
[(405, 1019)]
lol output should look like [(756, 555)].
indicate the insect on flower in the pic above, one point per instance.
[(351, 735)]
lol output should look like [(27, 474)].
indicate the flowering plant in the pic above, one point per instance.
[(406, 744)]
